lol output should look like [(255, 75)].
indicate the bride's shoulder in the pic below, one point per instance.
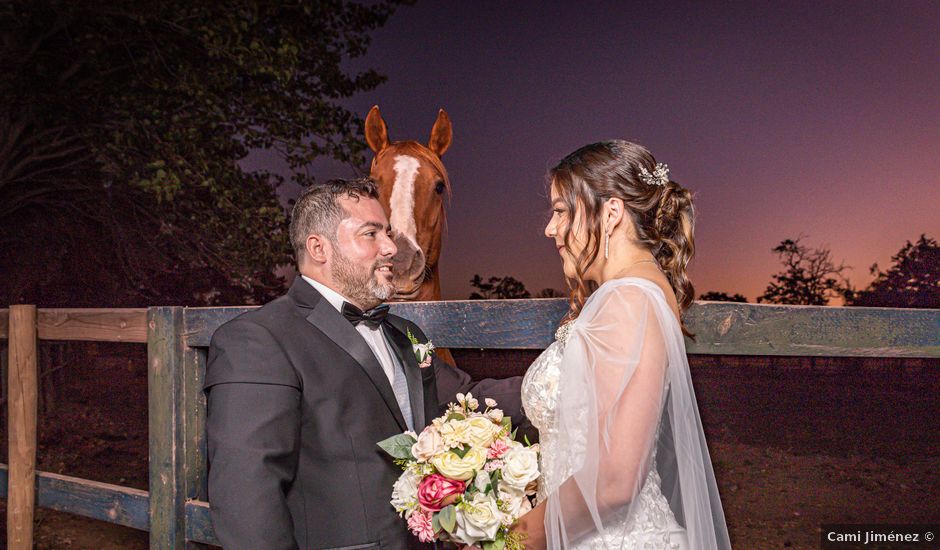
[(630, 289), (631, 297), (618, 299)]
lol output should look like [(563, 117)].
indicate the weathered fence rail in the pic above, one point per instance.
[(97, 325), (175, 510)]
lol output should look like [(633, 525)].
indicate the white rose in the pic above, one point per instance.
[(462, 469), (429, 444), (422, 351), (482, 480), (515, 502), (496, 415), (521, 467), (481, 431), (405, 492), (478, 519)]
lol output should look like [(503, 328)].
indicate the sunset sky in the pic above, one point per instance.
[(812, 118)]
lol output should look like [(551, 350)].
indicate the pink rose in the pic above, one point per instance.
[(427, 362), (436, 492), (497, 449), (420, 525)]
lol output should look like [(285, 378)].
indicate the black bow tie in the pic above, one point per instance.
[(372, 318)]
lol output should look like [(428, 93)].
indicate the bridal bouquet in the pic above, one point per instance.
[(466, 480)]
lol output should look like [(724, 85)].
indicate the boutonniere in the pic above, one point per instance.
[(424, 353)]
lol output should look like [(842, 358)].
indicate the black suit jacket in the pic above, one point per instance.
[(296, 404)]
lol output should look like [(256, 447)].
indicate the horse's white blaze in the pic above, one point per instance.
[(403, 197)]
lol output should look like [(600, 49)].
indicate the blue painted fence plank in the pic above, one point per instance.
[(198, 524), (721, 327), (91, 499)]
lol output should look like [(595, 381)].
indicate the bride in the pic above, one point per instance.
[(624, 458)]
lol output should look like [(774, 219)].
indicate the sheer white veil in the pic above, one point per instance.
[(625, 402)]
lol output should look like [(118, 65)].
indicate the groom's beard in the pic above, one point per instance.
[(360, 284)]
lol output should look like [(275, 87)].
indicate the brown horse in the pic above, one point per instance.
[(413, 185)]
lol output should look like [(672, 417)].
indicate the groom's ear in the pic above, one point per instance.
[(317, 249)]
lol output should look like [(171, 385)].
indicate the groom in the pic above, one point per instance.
[(301, 390)]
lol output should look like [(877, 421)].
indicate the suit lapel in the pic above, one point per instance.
[(403, 349), (330, 322)]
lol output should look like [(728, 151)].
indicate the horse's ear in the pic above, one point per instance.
[(376, 130), (441, 134)]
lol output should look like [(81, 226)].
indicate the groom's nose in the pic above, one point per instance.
[(387, 246)]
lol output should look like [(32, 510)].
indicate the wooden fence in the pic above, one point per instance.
[(175, 511)]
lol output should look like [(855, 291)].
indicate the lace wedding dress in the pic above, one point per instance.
[(619, 429)]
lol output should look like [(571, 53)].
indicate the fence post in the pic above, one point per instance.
[(194, 429), (23, 384), (4, 382), (165, 354)]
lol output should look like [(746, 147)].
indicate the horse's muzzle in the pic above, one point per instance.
[(408, 267)]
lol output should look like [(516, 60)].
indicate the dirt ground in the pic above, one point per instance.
[(796, 443)]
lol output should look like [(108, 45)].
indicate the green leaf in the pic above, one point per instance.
[(497, 544), (398, 446), (455, 416), (494, 481), (436, 523), (461, 451), (448, 518), (506, 422)]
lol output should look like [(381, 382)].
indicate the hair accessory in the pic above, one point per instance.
[(660, 175)]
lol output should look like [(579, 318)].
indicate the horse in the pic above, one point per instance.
[(413, 187)]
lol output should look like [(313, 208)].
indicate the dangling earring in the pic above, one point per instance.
[(606, 245)]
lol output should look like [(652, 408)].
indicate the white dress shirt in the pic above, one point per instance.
[(373, 336)]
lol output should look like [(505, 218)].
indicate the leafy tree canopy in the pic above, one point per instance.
[(912, 281), (722, 297), (130, 119), (809, 276), (551, 293), (498, 288)]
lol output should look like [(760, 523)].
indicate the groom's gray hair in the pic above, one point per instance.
[(318, 211)]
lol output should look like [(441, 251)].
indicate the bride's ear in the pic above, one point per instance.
[(613, 213)]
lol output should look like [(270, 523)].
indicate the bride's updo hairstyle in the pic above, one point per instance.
[(662, 214)]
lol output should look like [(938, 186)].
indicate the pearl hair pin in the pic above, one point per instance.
[(660, 175)]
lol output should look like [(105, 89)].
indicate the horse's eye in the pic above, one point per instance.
[(439, 188)]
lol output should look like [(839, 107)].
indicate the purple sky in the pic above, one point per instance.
[(815, 118)]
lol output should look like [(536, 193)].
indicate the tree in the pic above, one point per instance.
[(551, 293), (722, 297), (498, 288), (130, 120), (809, 277), (912, 281)]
